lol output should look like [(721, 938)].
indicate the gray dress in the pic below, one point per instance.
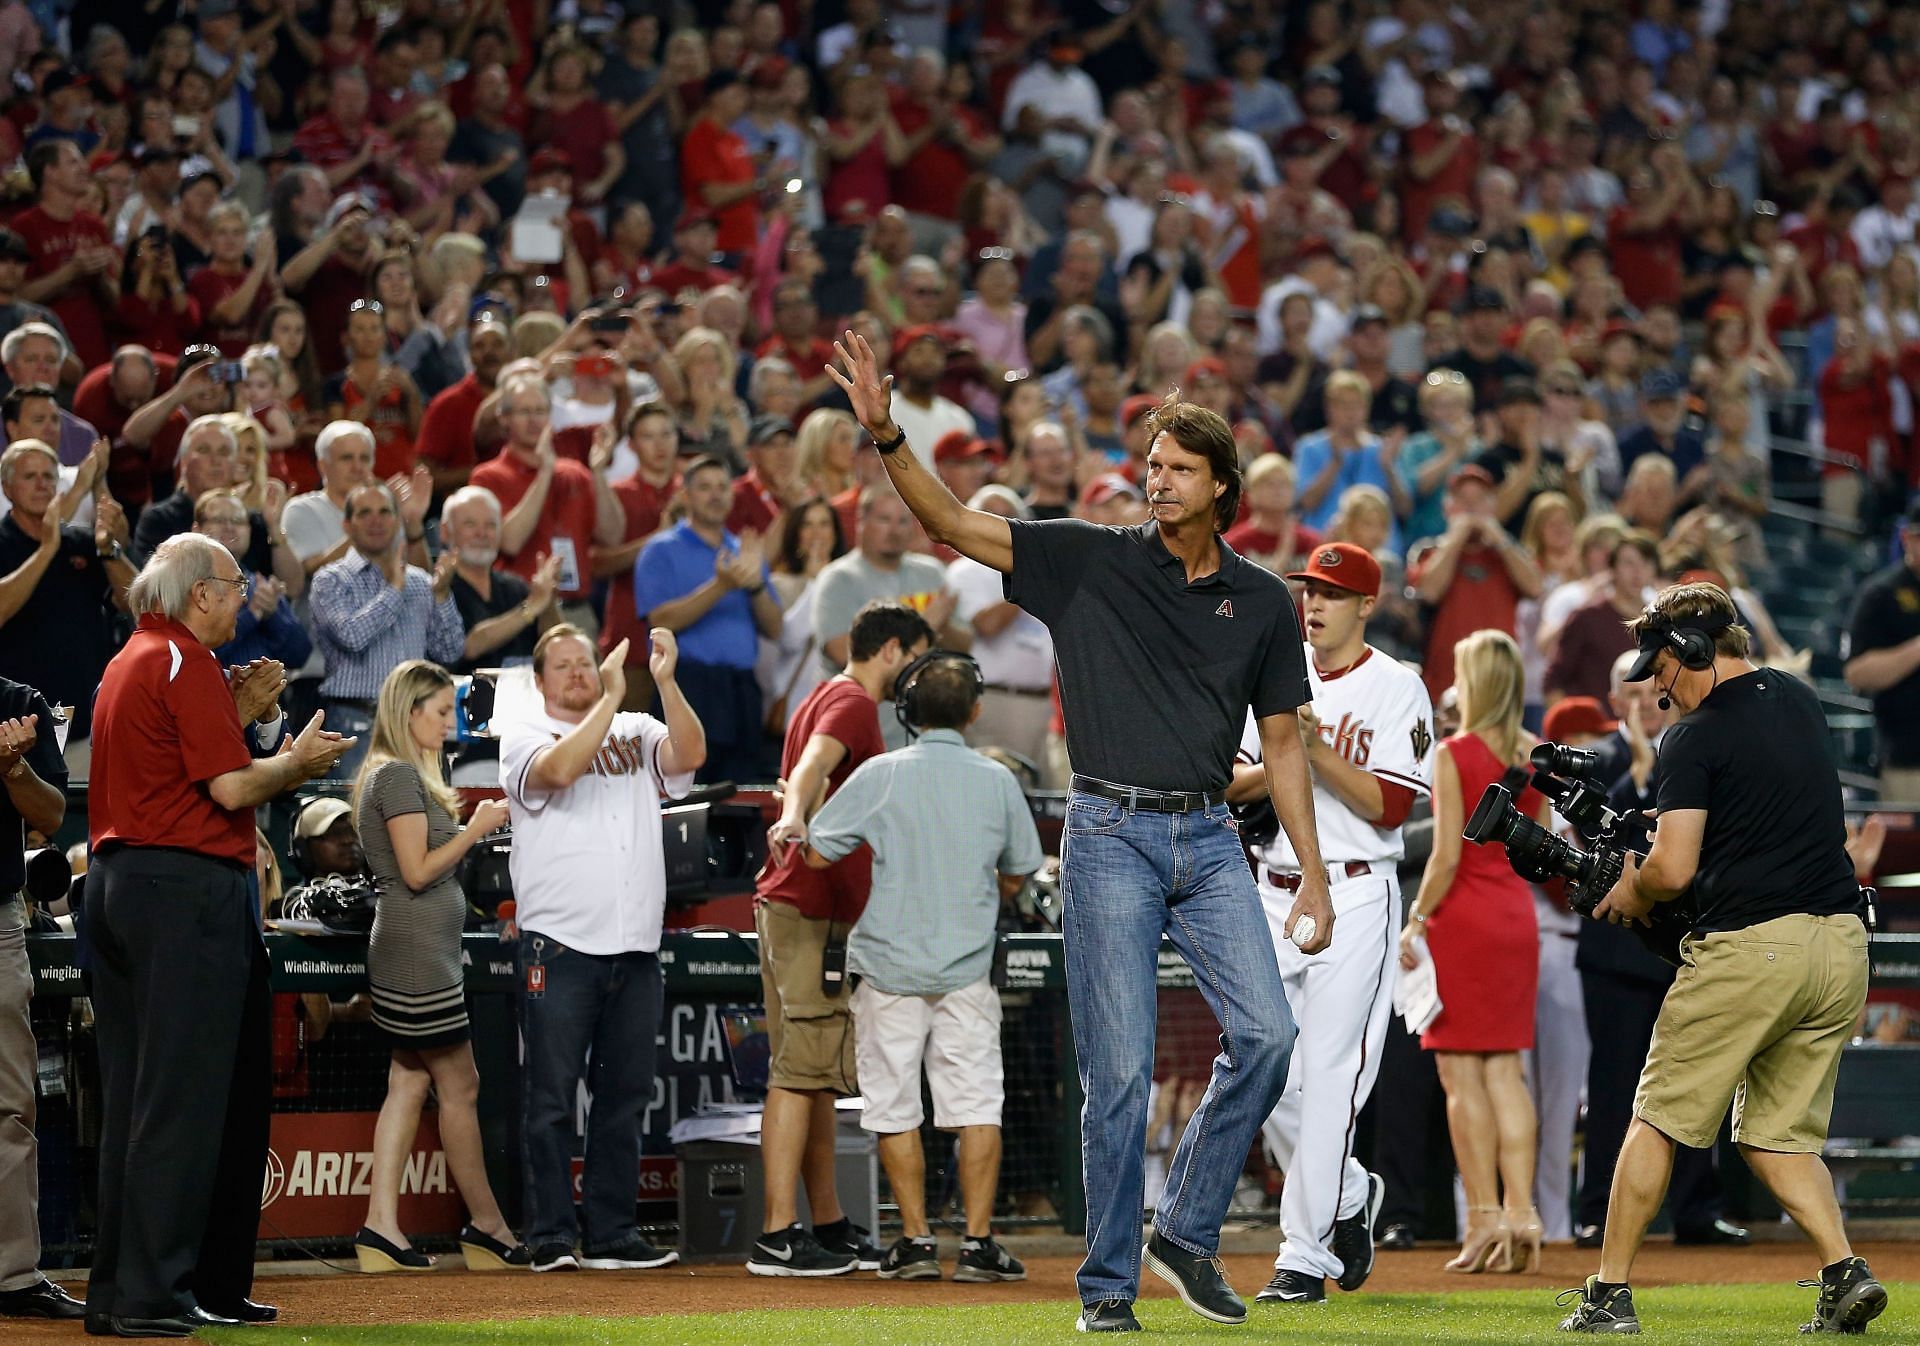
[(413, 954)]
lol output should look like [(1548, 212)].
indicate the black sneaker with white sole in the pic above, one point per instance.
[(1850, 1298), (911, 1260), (844, 1236), (1353, 1237), (554, 1256), (1293, 1287), (985, 1260), (1596, 1310), (794, 1251), (1201, 1280), (636, 1254), (1109, 1315)]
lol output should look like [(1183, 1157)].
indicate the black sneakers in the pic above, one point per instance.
[(794, 1251), (1353, 1237), (911, 1260), (985, 1260), (1610, 1310), (1109, 1315), (554, 1257), (1201, 1280), (1850, 1298), (1293, 1287), (844, 1236), (636, 1254)]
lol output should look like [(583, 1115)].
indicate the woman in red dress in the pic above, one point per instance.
[(1476, 916)]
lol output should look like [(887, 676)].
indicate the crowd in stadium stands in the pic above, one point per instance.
[(453, 321)]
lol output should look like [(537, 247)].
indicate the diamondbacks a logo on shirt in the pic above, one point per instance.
[(1225, 609), (1422, 740)]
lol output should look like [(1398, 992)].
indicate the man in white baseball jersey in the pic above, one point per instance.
[(583, 781), (1369, 733)]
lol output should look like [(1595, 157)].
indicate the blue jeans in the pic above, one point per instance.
[(351, 721), (608, 1005), (1126, 879)]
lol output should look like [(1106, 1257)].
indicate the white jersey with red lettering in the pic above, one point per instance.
[(1376, 714), (588, 862)]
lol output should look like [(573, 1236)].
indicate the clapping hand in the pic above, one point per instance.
[(489, 815), (940, 610), (314, 750), (265, 599), (443, 567), (613, 673), (109, 523), (414, 492), (16, 739), (256, 688), (545, 581), (665, 655), (600, 457)]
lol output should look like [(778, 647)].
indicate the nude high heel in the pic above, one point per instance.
[(1527, 1232), (1488, 1243)]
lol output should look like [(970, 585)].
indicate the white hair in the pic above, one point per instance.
[(1617, 680), (1006, 495), (525, 381), (216, 421), (468, 495), (165, 584), (764, 368), (17, 338), (1054, 428), (333, 432), (21, 448)]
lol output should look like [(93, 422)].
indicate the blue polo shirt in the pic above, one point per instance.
[(676, 563)]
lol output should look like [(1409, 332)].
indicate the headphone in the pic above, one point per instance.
[(1689, 638), (296, 844), (906, 687)]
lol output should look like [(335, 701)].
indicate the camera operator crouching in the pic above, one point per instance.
[(1774, 971)]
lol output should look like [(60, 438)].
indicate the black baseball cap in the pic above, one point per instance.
[(1518, 388), (1486, 299), (1366, 316), (765, 427), (14, 247)]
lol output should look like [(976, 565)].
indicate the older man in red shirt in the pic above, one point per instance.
[(179, 971)]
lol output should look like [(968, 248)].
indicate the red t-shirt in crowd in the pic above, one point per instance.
[(864, 178), (568, 516), (712, 153), (683, 275), (753, 505), (159, 454), (1857, 414), (158, 327), (1647, 261), (582, 132), (809, 358), (446, 427), (1482, 594), (931, 180), (1347, 179), (326, 297), (326, 146), (210, 289), (1248, 539), (393, 449), (643, 504), (1455, 178), (840, 709), (79, 307), (164, 724), (94, 402)]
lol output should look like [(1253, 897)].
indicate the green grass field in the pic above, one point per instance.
[(1696, 1315)]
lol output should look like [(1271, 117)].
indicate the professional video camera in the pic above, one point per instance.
[(1566, 776)]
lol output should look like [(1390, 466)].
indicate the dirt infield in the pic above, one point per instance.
[(457, 1296)]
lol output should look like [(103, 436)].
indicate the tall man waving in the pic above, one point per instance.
[(1164, 639)]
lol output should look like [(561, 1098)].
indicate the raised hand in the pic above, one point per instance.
[(315, 750), (940, 610), (600, 457), (109, 522), (443, 567), (489, 815), (664, 656), (868, 390), (752, 555), (273, 501), (266, 595), (613, 672), (545, 582), (256, 688)]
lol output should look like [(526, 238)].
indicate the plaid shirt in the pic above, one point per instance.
[(366, 628)]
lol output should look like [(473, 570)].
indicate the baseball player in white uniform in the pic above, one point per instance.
[(1369, 735)]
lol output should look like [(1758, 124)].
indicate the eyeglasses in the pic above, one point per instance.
[(239, 584), (926, 292)]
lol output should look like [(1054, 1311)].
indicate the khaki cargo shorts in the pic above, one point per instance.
[(809, 1033), (1756, 1017)]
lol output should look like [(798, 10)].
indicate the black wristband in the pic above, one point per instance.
[(893, 444)]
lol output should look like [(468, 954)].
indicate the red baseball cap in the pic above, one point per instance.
[(925, 331), (550, 160), (957, 446), (1345, 566), (1135, 407), (1106, 486), (1577, 715), (1472, 472), (1207, 366)]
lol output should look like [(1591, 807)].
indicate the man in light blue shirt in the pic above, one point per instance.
[(710, 589), (952, 836), (1347, 454)]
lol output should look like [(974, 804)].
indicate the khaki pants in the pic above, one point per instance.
[(809, 1033), (1900, 784), (19, 1154), (1757, 1018), (1016, 721)]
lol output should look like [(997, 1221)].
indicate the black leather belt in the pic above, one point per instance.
[(1150, 801)]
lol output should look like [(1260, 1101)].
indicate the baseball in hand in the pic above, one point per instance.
[(1304, 930)]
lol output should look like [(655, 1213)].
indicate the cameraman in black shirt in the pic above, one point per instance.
[(1775, 968)]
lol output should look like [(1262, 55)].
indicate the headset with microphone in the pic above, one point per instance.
[(1689, 638), (906, 687)]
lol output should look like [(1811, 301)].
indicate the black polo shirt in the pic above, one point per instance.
[(17, 700), (1886, 614), (1756, 756), (60, 640), (508, 593), (1156, 674)]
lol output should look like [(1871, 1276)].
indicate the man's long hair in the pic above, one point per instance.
[(1198, 430)]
